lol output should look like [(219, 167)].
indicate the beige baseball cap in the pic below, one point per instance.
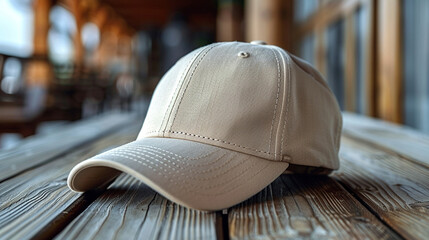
[(224, 122)]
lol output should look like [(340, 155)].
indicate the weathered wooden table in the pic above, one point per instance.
[(380, 192)]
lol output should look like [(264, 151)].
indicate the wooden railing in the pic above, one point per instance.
[(360, 39)]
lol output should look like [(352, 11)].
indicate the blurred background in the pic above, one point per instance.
[(64, 60)]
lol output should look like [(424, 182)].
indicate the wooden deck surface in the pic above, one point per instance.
[(381, 191)]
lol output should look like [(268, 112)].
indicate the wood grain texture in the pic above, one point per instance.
[(389, 60), (266, 21), (396, 189), (131, 210), (303, 206), (33, 200), (42, 148), (391, 137)]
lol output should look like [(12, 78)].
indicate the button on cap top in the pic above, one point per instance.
[(258, 42)]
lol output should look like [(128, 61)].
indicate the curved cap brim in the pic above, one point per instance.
[(192, 174)]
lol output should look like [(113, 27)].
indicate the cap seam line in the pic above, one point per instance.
[(223, 173), (187, 189), (176, 90), (165, 156), (229, 190), (171, 153), (220, 140), (175, 166), (322, 82), (166, 168), (223, 141), (277, 100), (187, 84), (288, 81)]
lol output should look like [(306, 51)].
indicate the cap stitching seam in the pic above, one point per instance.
[(128, 155), (223, 173), (185, 157), (215, 139), (180, 84), (228, 190), (277, 100), (287, 105), (154, 155), (187, 84), (183, 186), (171, 157), (219, 140)]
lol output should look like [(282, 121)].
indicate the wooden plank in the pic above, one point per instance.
[(42, 148), (302, 206), (389, 64), (394, 188), (394, 138), (131, 210), (38, 201)]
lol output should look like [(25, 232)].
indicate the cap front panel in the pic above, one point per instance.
[(231, 99), (164, 96)]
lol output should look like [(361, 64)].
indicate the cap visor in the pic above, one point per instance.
[(192, 174)]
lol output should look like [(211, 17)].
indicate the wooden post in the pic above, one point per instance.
[(389, 65), (370, 74), (79, 51), (2, 60), (229, 25), (350, 64), (269, 21), (99, 17), (39, 70)]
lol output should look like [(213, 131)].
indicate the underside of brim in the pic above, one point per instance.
[(192, 174)]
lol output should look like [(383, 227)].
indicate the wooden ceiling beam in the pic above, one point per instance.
[(161, 3), (144, 13)]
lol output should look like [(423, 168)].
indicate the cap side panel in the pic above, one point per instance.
[(316, 76), (305, 66), (309, 69), (314, 123)]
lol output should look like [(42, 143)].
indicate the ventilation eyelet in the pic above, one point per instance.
[(243, 54)]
